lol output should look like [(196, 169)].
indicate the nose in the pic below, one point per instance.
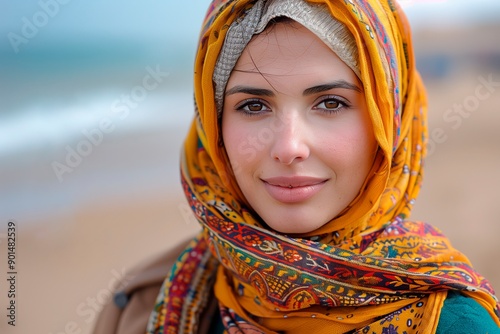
[(290, 141)]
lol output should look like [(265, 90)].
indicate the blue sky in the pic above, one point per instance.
[(146, 19), (180, 20)]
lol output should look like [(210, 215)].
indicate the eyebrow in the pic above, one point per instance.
[(250, 91), (309, 91), (332, 85)]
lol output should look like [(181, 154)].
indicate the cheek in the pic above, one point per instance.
[(364, 153), (349, 149), (240, 149)]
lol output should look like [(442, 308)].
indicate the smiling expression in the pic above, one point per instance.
[(296, 129)]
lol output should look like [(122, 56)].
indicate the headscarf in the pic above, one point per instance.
[(370, 269)]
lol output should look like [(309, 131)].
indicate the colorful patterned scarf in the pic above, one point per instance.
[(369, 270)]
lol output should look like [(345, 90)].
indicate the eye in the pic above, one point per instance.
[(252, 107), (332, 104)]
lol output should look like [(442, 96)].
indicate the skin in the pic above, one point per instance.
[(296, 129)]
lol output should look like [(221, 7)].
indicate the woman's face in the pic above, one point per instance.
[(296, 129)]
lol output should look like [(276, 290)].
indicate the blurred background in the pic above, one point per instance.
[(95, 99)]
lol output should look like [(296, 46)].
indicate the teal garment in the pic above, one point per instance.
[(463, 315), (460, 315), (217, 327)]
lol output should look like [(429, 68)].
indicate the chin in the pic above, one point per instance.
[(294, 226)]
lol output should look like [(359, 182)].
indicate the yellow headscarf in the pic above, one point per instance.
[(368, 268), (388, 74)]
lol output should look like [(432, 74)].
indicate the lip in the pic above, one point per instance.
[(293, 189)]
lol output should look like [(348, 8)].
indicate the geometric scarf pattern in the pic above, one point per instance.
[(394, 272)]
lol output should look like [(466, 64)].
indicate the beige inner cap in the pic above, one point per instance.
[(314, 17)]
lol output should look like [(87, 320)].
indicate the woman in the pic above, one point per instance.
[(302, 166)]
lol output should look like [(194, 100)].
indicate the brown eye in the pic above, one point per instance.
[(331, 104), (254, 106)]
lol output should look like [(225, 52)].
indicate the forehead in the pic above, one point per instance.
[(288, 48)]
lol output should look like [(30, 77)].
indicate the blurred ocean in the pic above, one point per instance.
[(65, 69), (52, 119)]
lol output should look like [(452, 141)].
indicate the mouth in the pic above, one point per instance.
[(293, 189), (293, 181)]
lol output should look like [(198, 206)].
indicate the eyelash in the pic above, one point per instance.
[(246, 103), (342, 104)]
